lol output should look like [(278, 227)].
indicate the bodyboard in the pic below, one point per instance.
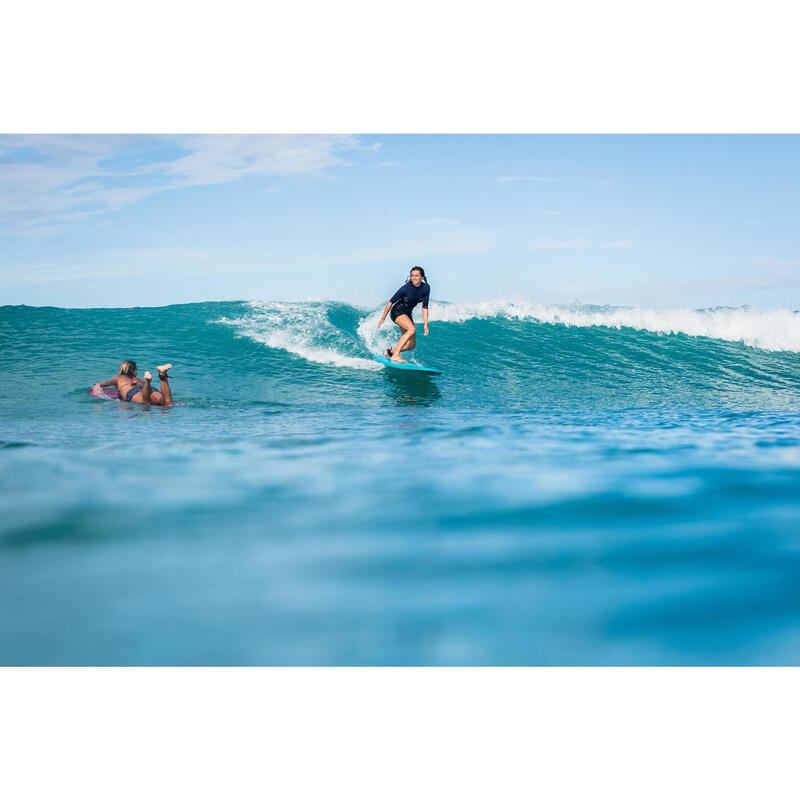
[(104, 393)]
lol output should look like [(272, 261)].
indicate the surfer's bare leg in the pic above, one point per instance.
[(166, 392), (411, 343), (148, 389), (409, 330)]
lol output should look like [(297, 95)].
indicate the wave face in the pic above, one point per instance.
[(581, 485), (491, 354), (524, 355)]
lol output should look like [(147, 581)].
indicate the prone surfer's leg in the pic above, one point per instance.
[(409, 330), (166, 392), (148, 389)]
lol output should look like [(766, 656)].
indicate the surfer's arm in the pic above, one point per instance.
[(425, 319), (385, 312), (110, 382)]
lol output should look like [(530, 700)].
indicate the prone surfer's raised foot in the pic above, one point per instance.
[(148, 376), (162, 371)]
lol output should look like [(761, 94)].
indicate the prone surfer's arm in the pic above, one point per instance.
[(385, 312), (98, 386)]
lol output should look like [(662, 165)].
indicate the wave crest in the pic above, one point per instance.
[(773, 329), (325, 332), (303, 329)]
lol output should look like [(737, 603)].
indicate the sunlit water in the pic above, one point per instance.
[(580, 486)]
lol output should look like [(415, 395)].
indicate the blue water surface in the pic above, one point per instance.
[(560, 495)]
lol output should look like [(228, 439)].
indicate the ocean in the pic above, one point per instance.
[(581, 486)]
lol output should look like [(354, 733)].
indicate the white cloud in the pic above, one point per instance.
[(221, 159), (432, 222), (604, 182), (574, 244), (46, 180), (428, 238), (534, 178), (150, 262), (551, 244), (771, 261)]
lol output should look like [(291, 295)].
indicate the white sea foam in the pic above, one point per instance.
[(774, 329), (376, 340), (304, 329), (297, 328)]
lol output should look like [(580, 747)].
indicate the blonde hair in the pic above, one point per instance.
[(127, 368)]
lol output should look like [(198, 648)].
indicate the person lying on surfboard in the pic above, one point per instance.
[(414, 290), (133, 390)]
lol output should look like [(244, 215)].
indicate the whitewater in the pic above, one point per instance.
[(582, 485)]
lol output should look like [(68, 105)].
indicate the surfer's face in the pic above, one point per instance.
[(416, 278)]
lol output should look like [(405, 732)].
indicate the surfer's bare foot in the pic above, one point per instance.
[(397, 358), (148, 376), (162, 371)]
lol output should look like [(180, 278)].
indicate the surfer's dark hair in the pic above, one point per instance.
[(127, 368), (419, 269)]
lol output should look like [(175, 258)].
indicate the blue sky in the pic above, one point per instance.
[(694, 221)]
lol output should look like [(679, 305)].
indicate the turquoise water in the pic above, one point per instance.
[(580, 486)]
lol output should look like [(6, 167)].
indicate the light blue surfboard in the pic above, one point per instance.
[(401, 367)]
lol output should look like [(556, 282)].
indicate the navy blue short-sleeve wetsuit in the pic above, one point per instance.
[(407, 296)]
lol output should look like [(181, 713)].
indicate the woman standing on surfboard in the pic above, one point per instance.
[(413, 291)]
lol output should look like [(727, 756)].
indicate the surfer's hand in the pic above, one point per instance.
[(380, 321), (426, 330), (96, 387)]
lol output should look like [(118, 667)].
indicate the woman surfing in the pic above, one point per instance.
[(413, 291)]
